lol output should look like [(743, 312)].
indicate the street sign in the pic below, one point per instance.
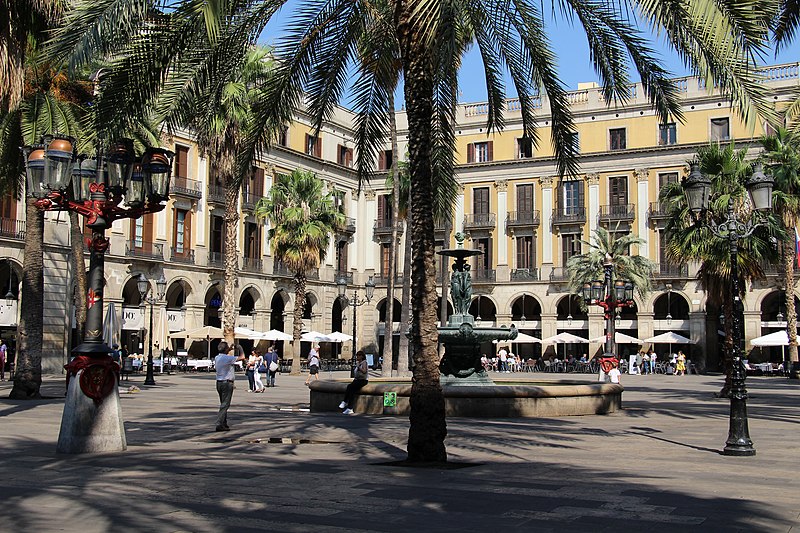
[(390, 399)]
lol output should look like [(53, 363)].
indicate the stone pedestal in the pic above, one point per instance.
[(87, 427)]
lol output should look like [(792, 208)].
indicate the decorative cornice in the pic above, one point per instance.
[(501, 185), (547, 182), (642, 174), (369, 195), (593, 178)]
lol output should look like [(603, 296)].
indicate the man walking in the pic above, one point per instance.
[(225, 377), (3, 350)]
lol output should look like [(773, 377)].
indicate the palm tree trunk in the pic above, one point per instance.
[(428, 427), (388, 331), (297, 329), (28, 363), (79, 267), (789, 258), (231, 260)]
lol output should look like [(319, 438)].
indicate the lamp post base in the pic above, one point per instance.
[(738, 443), (89, 427)]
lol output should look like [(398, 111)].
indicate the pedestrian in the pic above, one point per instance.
[(645, 363), (503, 355), (614, 374), (259, 370), (680, 368), (225, 378), (361, 374), (250, 372), (3, 352), (313, 363), (271, 361)]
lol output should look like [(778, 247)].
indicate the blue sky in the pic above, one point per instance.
[(569, 44)]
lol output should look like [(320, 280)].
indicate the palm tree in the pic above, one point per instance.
[(688, 241), (782, 158), (218, 111), (588, 266), (302, 219)]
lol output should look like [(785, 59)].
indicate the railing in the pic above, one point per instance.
[(559, 274), (523, 218), (185, 256), (480, 220), (187, 188), (788, 71), (250, 200), (658, 210), (145, 250), (774, 269), (348, 277), (617, 212), (382, 281), (386, 225), (12, 228), (525, 274), (252, 264), (349, 225), (216, 194), (670, 271), (281, 270), (569, 215), (484, 275), (216, 260)]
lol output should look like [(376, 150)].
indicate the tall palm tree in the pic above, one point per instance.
[(588, 266), (302, 219), (218, 111), (688, 241), (782, 158)]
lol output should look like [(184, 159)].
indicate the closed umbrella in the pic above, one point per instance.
[(161, 333), (112, 326)]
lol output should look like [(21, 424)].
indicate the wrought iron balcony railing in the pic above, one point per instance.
[(185, 255), (144, 250), (525, 274), (569, 215), (252, 264), (186, 188), (616, 213), (12, 228), (480, 220), (522, 218)]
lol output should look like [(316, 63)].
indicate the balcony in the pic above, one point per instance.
[(216, 194), (216, 260), (383, 280), (383, 228), (772, 269), (525, 274), (569, 215), (522, 219), (250, 201), (670, 271), (657, 211), (349, 225), (282, 271), (252, 264), (144, 250), (559, 275), (348, 276), (617, 213), (184, 256), (12, 228), (484, 275), (480, 221), (186, 188)]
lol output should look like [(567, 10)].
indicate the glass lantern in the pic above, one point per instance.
[(697, 188), (135, 192), (759, 187), (84, 173), (119, 166), (34, 170), (59, 158), (157, 169)]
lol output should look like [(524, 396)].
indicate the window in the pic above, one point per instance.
[(313, 145), (283, 137), (341, 256), (666, 178), (181, 162), (480, 201), (525, 198), (252, 240), (570, 246), (572, 197), (217, 228), (575, 139), (524, 148), (667, 134), (618, 190), (720, 129), (526, 252), (384, 210), (483, 262), (180, 239), (385, 260), (617, 139), (385, 160), (142, 231), (480, 152), (338, 200), (344, 156), (253, 186)]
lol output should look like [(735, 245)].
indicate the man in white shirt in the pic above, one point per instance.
[(503, 359), (224, 365)]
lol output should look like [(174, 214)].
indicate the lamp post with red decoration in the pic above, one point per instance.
[(610, 295), (115, 184)]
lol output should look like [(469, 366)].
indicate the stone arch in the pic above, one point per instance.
[(279, 304), (10, 279), (212, 305), (130, 292), (249, 299), (397, 310), (178, 291), (570, 304), (483, 307), (439, 307), (526, 305), (672, 303)]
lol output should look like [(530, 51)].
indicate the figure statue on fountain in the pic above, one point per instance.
[(461, 289)]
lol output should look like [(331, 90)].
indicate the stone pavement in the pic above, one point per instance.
[(655, 466)]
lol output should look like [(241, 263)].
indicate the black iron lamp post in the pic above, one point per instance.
[(611, 296), (354, 301), (697, 188), (143, 284)]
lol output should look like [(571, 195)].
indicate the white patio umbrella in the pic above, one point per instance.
[(315, 336), (241, 332), (779, 338), (112, 327), (670, 337), (338, 336), (564, 338), (275, 335), (619, 338), (522, 338), (205, 333)]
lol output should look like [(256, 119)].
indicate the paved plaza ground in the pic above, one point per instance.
[(655, 466)]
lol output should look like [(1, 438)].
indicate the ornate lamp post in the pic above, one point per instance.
[(611, 296), (697, 188), (354, 301), (113, 185), (143, 284)]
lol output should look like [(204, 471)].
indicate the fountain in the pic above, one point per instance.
[(468, 390)]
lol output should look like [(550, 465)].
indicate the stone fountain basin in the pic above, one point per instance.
[(504, 399)]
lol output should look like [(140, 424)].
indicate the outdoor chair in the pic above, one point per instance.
[(530, 365), (127, 368)]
